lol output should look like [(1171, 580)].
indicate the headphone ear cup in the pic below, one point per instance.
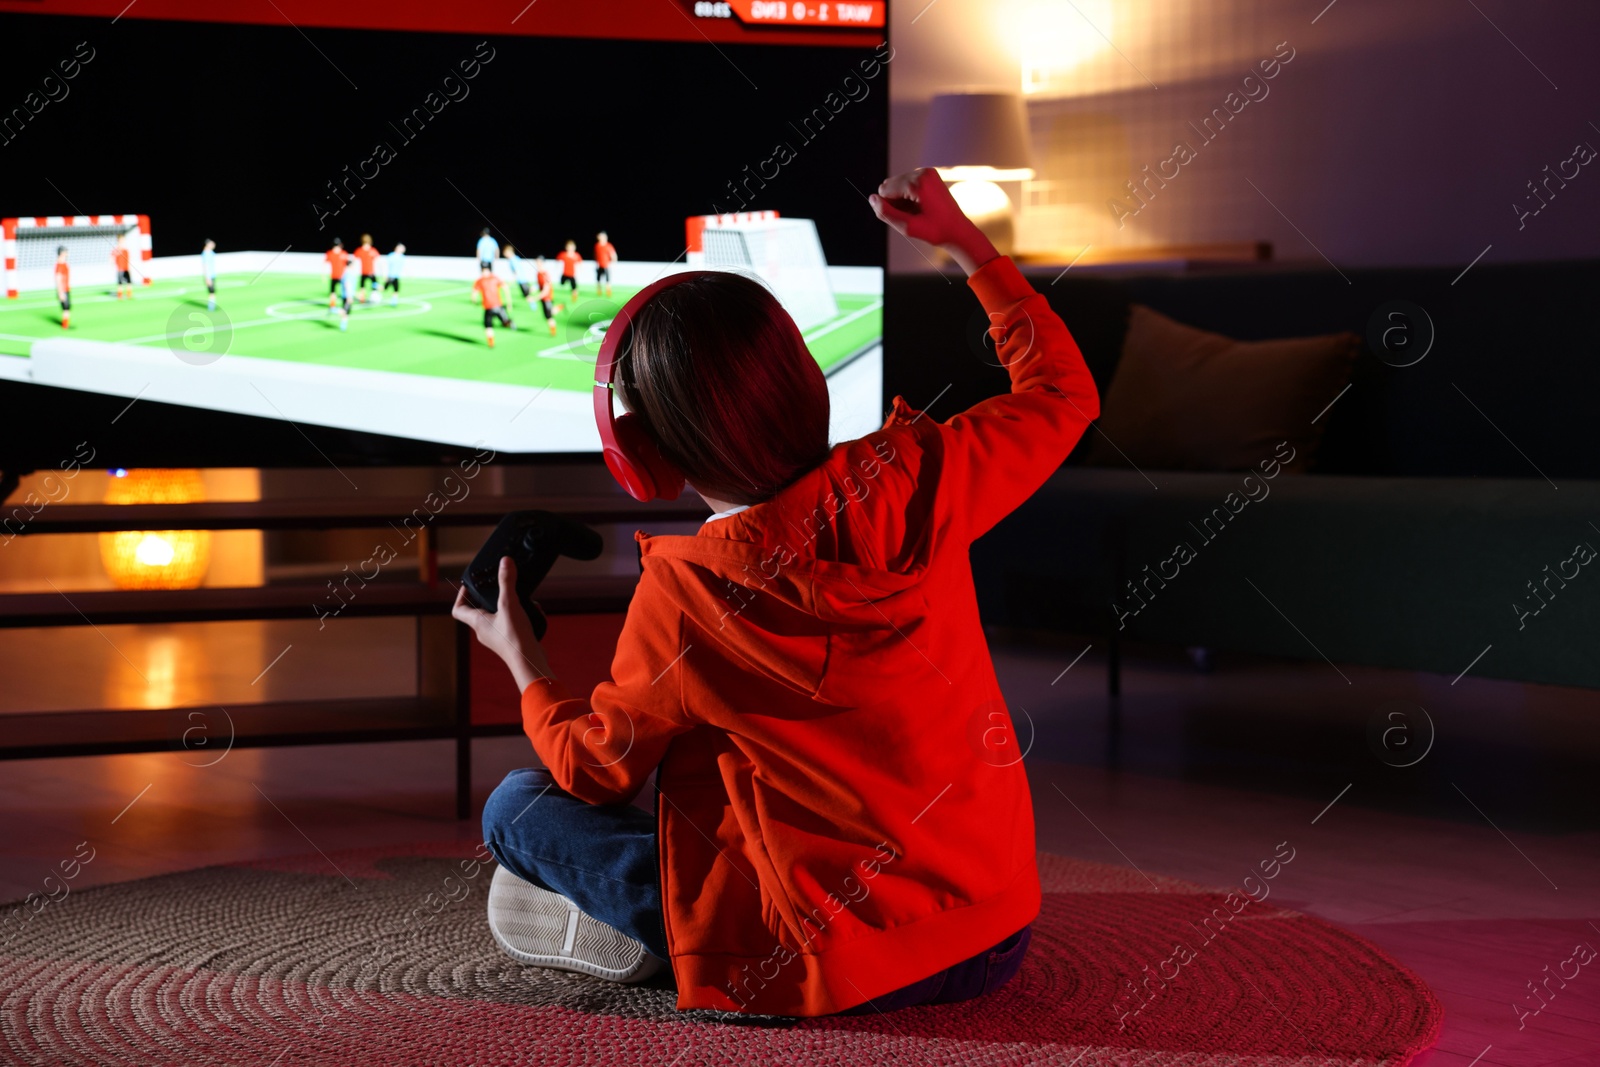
[(638, 464)]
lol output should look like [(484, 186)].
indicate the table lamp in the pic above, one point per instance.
[(155, 559), (974, 140)]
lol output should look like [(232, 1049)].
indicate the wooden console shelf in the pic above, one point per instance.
[(566, 595), (328, 513), (441, 705), (39, 734)]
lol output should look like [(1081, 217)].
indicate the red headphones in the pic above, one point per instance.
[(631, 455)]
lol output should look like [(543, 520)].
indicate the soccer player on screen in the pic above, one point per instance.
[(569, 260), (487, 249), (605, 254), (119, 258), (368, 257), (487, 290), (546, 292), (347, 295), (519, 273), (393, 265), (64, 285), (339, 282), (337, 259), (208, 272)]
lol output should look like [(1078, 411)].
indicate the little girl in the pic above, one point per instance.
[(806, 676)]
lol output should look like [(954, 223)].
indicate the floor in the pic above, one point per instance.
[(1453, 825)]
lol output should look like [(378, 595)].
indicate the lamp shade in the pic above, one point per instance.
[(981, 136)]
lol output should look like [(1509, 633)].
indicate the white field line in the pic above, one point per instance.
[(275, 319), (77, 299), (853, 316), (558, 351), (156, 291)]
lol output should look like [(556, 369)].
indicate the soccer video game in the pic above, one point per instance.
[(413, 221)]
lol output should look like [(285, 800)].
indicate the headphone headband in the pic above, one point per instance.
[(632, 457)]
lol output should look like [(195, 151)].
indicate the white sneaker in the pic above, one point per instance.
[(545, 929)]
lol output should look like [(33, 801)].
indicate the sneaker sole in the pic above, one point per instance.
[(544, 929)]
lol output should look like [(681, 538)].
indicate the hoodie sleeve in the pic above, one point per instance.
[(1000, 450), (602, 749)]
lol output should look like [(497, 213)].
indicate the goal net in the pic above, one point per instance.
[(31, 244), (784, 253)]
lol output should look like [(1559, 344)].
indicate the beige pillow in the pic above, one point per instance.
[(1185, 399)]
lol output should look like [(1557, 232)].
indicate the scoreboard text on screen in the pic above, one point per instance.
[(794, 12)]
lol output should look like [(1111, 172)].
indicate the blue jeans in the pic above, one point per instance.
[(972, 977), (602, 857)]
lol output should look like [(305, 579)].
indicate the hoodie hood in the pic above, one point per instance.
[(838, 551)]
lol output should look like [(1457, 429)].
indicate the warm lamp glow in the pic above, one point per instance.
[(154, 551), (1055, 37), (980, 198), (986, 204), (156, 559)]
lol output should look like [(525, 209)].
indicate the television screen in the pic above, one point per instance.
[(274, 231)]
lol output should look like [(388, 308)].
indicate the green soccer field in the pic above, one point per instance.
[(437, 330)]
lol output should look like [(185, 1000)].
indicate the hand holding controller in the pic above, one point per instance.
[(533, 540)]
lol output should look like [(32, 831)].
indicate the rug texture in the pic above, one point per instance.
[(383, 956)]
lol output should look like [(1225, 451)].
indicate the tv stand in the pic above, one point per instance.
[(10, 478), (440, 707)]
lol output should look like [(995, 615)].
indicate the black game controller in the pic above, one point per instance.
[(533, 539)]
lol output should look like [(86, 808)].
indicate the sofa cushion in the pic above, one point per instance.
[(1187, 399)]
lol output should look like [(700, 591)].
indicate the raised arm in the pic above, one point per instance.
[(918, 205), (997, 453), (600, 748)]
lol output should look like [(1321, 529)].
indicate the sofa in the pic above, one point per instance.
[(1448, 522)]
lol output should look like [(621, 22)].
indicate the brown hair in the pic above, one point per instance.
[(723, 383)]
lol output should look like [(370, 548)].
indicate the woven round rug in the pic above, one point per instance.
[(384, 956)]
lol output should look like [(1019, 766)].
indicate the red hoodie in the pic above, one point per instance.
[(836, 817)]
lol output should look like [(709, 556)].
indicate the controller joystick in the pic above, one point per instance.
[(533, 539)]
